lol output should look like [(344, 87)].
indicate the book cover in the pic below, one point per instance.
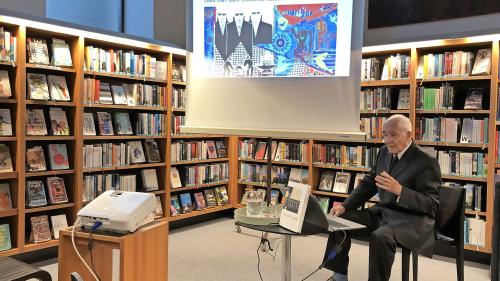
[(58, 122), (5, 241), (130, 90), (58, 156), (474, 99), (358, 178), (326, 182), (175, 179), (199, 200), (35, 159), (295, 175), (35, 194), (136, 152), (482, 64), (221, 195), (38, 89), (88, 124), (5, 159), (38, 51), (210, 197), (58, 88), (5, 91), (105, 124), (58, 222), (57, 190), (186, 203), (246, 193), (221, 149), (212, 152), (122, 124), (40, 228), (341, 184), (304, 177), (261, 150), (61, 55), (294, 209), (35, 122), (119, 95), (105, 94), (149, 180), (5, 122), (404, 99), (324, 203), (5, 197), (175, 205), (159, 208), (152, 151), (275, 194)]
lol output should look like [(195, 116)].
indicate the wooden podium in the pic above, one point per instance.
[(142, 255)]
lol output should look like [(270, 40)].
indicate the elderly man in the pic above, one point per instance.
[(407, 180)]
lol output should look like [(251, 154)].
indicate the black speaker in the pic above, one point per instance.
[(495, 274)]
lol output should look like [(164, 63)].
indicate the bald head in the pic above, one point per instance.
[(398, 122), (397, 133)]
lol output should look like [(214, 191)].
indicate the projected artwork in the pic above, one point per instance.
[(297, 40)]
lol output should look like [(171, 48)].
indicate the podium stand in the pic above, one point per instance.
[(141, 255)]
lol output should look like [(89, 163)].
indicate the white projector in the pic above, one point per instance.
[(119, 211)]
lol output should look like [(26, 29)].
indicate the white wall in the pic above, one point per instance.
[(32, 7)]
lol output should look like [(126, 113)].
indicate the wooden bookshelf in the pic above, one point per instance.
[(124, 138), (200, 161), (124, 77), (49, 173), (31, 66), (384, 83), (127, 107), (49, 208), (197, 187), (331, 194), (196, 213), (384, 111), (447, 144), (453, 112), (337, 167), (454, 79)]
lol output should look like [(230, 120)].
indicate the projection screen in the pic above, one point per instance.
[(275, 68)]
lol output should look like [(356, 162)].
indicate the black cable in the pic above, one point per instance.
[(91, 248), (258, 257)]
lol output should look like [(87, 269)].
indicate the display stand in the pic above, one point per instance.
[(142, 255)]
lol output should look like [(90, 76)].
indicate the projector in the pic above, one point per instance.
[(119, 211)]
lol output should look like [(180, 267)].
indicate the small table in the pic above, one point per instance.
[(307, 229)]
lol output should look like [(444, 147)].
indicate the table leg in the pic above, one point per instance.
[(287, 258)]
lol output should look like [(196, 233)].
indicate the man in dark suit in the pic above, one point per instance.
[(407, 180), (221, 35)]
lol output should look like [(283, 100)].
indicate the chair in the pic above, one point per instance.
[(14, 270), (449, 227)]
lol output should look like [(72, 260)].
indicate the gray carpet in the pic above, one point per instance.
[(214, 251)]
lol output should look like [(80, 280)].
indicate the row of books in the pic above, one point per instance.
[(454, 64), (199, 174), (453, 130), (36, 126), (124, 62), (38, 52), (444, 98), (197, 150), (473, 194), (8, 45), (385, 98), (179, 98), (372, 126), (475, 231), (137, 94), (107, 155), (149, 124), (257, 173), (281, 151), (338, 182), (36, 195), (58, 158), (94, 185), (467, 164), (177, 122), (209, 198), (259, 195), (47, 87), (393, 67), (342, 155)]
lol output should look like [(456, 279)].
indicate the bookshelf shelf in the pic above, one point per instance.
[(178, 110), (49, 67), (288, 163), (39, 246), (187, 188), (196, 136), (451, 79), (8, 139), (497, 166), (199, 213), (447, 144), (126, 137), (8, 175), (129, 167), (10, 252), (49, 208), (385, 111), (476, 248), (214, 160), (381, 83), (474, 179), (51, 103), (8, 63), (329, 193), (179, 83), (156, 192), (126, 107), (337, 167), (49, 173), (12, 101), (454, 111), (50, 138), (258, 184), (8, 213), (478, 213), (125, 77)]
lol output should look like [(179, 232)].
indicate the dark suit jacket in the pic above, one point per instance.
[(233, 38), (264, 34), (413, 216), (220, 40)]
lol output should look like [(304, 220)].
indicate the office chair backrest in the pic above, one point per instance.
[(450, 218)]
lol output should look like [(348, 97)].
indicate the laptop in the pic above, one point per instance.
[(316, 216)]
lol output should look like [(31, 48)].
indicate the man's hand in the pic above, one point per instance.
[(337, 210), (388, 183)]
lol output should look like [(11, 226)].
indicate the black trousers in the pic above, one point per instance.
[(382, 244)]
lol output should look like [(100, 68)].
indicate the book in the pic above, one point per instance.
[(212, 152), (175, 205), (176, 72), (136, 152), (210, 197), (275, 194), (186, 203), (159, 208), (61, 55), (358, 178), (40, 228), (130, 91), (58, 88), (5, 241), (324, 203), (404, 99), (341, 184), (5, 159), (35, 122), (295, 175), (57, 190), (482, 64), (5, 91), (5, 122), (105, 96), (122, 124), (149, 180), (261, 150), (38, 89), (221, 149), (246, 193), (326, 181), (294, 208), (88, 124), (175, 179), (221, 195), (35, 159), (35, 194), (474, 99), (37, 51), (5, 197), (199, 201), (58, 122), (119, 95), (58, 156), (105, 124), (304, 177), (152, 151), (58, 222)]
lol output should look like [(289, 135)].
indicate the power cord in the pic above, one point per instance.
[(96, 225), (258, 256), (77, 224)]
